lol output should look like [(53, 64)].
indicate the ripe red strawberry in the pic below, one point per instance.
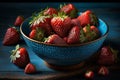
[(61, 24), (88, 17), (42, 22), (103, 71), (50, 11), (89, 74), (75, 22), (91, 32), (11, 37), (70, 10), (20, 56), (74, 35), (30, 69), (37, 34), (55, 39), (19, 20), (107, 56)]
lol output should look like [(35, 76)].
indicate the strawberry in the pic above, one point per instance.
[(70, 10), (88, 17), (30, 69), (61, 24), (55, 39), (75, 22), (103, 71), (11, 37), (20, 56), (37, 34), (50, 11), (89, 74), (107, 56), (74, 35), (91, 32), (19, 20), (42, 22)]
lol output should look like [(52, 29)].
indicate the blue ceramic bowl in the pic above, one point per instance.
[(64, 55)]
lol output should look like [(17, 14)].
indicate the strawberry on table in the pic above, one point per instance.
[(50, 11), (61, 24), (11, 36), (20, 57), (19, 20), (69, 9), (88, 17), (37, 34), (55, 39), (107, 56), (103, 71), (89, 74), (30, 69)]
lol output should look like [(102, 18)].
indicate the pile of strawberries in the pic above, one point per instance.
[(64, 26)]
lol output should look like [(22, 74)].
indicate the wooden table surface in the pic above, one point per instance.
[(109, 12)]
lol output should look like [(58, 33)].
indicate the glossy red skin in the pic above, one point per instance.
[(19, 20), (106, 56), (23, 60), (50, 11), (74, 35), (103, 71), (61, 27), (11, 37), (75, 22), (30, 69), (67, 8), (55, 39), (85, 18), (93, 28), (32, 34)]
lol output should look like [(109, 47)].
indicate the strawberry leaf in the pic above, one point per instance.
[(115, 52), (15, 53), (82, 36)]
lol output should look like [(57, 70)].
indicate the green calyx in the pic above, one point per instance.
[(94, 19), (61, 5), (90, 34), (82, 36), (61, 15), (73, 13), (115, 53), (14, 53), (37, 18), (39, 34)]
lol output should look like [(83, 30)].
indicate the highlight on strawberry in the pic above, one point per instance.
[(19, 56)]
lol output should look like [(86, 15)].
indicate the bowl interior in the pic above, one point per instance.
[(25, 30)]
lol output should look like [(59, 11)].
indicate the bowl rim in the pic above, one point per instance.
[(64, 45)]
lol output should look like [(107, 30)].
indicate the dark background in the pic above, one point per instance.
[(109, 11)]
